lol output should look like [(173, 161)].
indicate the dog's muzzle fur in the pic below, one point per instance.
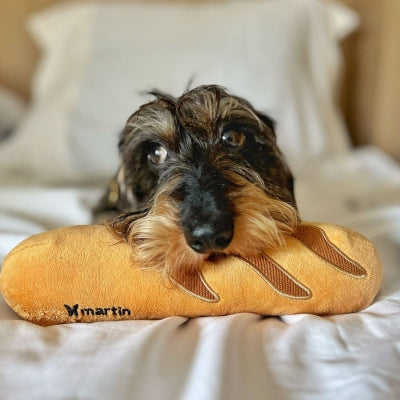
[(200, 174)]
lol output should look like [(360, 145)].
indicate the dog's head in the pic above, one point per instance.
[(201, 174)]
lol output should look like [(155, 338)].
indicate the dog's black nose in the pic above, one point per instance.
[(205, 239)]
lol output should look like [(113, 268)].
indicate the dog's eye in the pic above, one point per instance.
[(233, 138), (157, 155)]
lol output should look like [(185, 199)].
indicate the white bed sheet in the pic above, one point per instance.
[(242, 356)]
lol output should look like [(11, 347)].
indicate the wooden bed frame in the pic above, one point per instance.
[(370, 94)]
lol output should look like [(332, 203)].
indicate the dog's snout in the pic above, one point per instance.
[(205, 239), (206, 214)]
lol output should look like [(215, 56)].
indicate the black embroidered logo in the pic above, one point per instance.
[(74, 311)]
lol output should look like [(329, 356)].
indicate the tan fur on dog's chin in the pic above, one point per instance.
[(260, 224), (157, 237)]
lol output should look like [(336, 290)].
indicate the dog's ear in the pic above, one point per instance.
[(122, 138), (107, 207), (267, 121), (115, 199), (267, 134)]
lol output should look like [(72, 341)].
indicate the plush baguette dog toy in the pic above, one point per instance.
[(86, 274)]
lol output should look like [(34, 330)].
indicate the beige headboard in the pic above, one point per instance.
[(370, 96)]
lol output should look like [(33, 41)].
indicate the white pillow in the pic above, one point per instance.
[(12, 109), (281, 55)]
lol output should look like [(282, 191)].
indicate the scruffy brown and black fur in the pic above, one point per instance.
[(200, 175)]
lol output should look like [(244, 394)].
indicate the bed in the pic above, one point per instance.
[(285, 57)]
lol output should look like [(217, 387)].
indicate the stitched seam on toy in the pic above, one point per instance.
[(215, 298), (284, 272), (332, 248)]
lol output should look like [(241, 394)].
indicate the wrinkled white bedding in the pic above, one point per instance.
[(242, 356)]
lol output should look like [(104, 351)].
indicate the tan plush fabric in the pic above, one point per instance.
[(86, 274)]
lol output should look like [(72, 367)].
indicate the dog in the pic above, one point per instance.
[(201, 175)]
